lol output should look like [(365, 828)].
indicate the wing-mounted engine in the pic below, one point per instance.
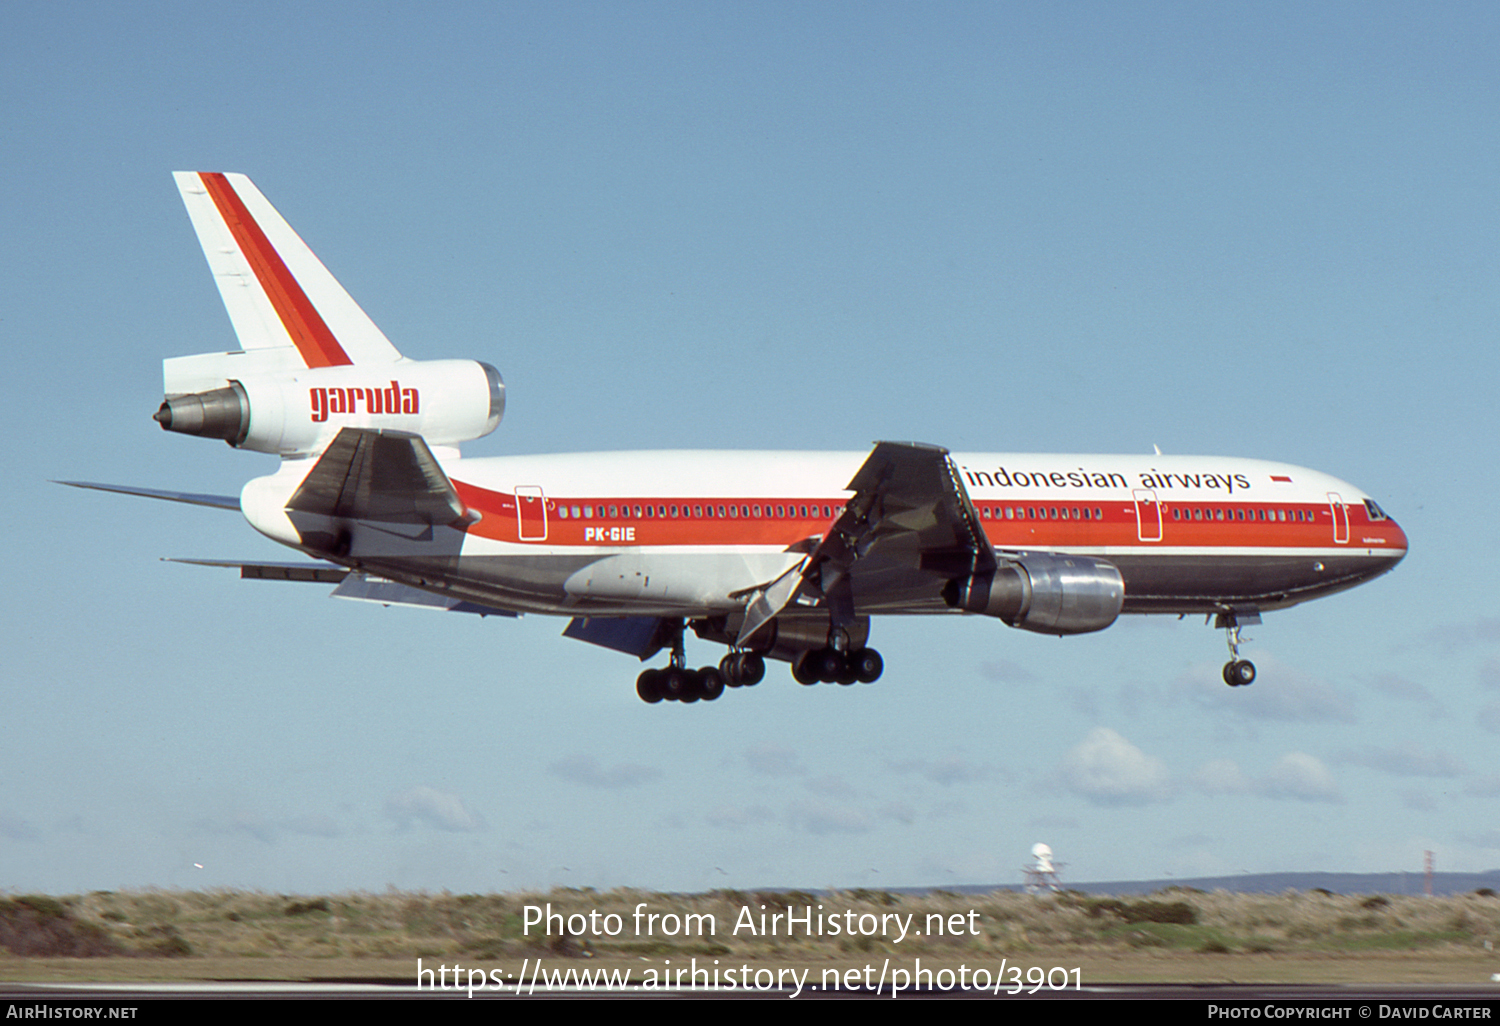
[(298, 411), (1044, 592)]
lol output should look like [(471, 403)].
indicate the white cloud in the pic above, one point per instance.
[(433, 807), (1108, 770), (1299, 776), (585, 769)]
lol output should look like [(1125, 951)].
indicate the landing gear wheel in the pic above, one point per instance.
[(677, 684), (742, 669), (805, 669), (831, 664), (648, 686), (711, 683), (867, 665), (1239, 672)]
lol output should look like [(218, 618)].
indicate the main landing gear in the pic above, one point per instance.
[(1237, 672), (831, 666), (742, 669), (677, 683), (837, 663)]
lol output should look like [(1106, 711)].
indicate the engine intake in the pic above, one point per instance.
[(1044, 593)]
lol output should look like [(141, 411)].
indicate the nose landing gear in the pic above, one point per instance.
[(1237, 672)]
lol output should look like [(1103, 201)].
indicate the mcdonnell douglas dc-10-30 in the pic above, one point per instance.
[(777, 555)]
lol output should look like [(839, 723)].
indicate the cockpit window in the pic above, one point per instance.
[(1375, 512)]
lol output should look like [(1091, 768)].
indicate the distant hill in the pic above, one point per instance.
[(1276, 883)]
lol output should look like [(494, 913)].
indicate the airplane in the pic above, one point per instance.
[(777, 555)]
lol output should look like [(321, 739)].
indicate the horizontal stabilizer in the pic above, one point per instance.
[(384, 476), (315, 573), (351, 585), (389, 593), (194, 498)]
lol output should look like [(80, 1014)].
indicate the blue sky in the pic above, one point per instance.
[(1263, 230)]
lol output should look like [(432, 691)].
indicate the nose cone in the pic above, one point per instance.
[(1396, 539)]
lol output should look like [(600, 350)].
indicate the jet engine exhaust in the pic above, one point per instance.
[(221, 413)]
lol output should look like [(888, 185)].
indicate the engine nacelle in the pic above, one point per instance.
[(1045, 593), (294, 412)]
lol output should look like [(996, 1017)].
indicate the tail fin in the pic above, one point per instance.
[(279, 296)]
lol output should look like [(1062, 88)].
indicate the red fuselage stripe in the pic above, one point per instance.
[(1115, 524), (311, 336)]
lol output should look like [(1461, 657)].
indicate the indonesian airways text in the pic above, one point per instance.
[(1000, 477)]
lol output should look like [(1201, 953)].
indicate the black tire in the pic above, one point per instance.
[(831, 665), (805, 669), (1239, 673), (711, 684), (753, 669), (868, 666), (729, 669), (648, 686), (676, 684)]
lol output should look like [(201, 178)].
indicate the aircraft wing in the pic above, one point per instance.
[(909, 529)]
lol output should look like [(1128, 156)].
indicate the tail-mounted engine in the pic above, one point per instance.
[(297, 411), (1049, 594)]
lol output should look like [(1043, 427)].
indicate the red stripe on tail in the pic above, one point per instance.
[(311, 336)]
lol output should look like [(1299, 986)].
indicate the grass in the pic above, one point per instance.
[(1175, 935)]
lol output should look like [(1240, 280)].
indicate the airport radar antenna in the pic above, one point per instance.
[(1041, 874)]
